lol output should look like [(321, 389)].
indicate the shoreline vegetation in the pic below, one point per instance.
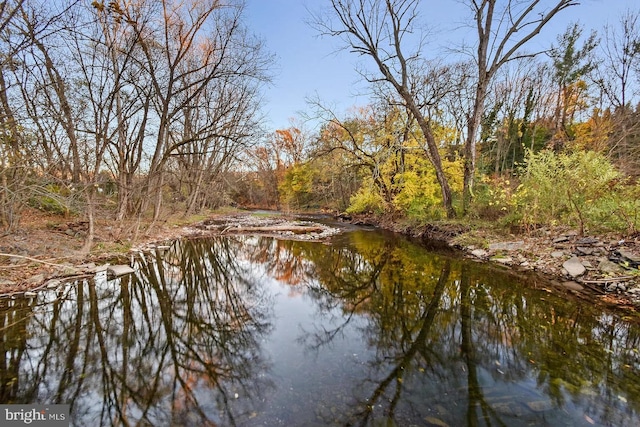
[(121, 126), (600, 268)]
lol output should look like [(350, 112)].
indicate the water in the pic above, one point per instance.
[(370, 330)]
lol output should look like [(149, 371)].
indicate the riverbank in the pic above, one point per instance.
[(46, 249), (603, 267)]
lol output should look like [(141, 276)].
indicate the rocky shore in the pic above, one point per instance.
[(42, 258), (604, 267)]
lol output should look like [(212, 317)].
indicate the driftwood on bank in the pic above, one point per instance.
[(295, 229)]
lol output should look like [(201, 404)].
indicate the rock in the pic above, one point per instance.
[(615, 287), (557, 254), (608, 267), (433, 421), (573, 286), (587, 265), (506, 246), (582, 250), (114, 271), (479, 253), (629, 256), (38, 278), (87, 267), (30, 294), (5, 282), (561, 239), (540, 406), (574, 267), (587, 241), (100, 268), (54, 283), (506, 260)]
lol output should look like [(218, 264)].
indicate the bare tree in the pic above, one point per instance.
[(502, 32), (615, 74), (195, 43), (221, 124), (379, 29), (384, 29), (11, 144)]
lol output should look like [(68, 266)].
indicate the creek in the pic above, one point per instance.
[(369, 329)]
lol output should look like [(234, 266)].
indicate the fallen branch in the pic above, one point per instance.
[(610, 279), (37, 260)]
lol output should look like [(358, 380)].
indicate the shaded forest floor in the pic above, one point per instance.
[(47, 246)]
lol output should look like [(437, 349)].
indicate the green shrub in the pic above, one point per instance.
[(494, 198), (50, 198), (366, 200), (579, 189)]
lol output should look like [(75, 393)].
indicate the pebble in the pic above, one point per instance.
[(573, 286), (119, 270), (585, 250), (506, 246), (587, 241)]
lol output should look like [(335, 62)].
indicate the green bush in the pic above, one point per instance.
[(366, 200), (580, 189), (494, 198), (50, 198)]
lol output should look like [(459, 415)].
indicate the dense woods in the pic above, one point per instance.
[(124, 110)]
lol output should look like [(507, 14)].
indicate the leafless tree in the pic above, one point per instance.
[(380, 29), (617, 71), (503, 29), (384, 30), (11, 144), (193, 44)]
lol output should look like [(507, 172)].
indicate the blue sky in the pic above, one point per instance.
[(309, 65)]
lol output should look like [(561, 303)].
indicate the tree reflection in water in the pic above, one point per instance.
[(177, 344), (386, 334)]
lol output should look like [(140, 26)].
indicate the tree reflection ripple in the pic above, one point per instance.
[(368, 330)]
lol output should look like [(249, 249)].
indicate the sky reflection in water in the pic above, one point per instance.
[(370, 330)]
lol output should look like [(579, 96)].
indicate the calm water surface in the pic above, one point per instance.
[(371, 330)]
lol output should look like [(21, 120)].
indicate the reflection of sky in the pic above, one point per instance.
[(319, 362)]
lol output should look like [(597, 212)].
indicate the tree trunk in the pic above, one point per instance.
[(88, 241)]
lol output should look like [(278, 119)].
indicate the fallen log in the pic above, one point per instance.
[(296, 229)]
